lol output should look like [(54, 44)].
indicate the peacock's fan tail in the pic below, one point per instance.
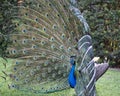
[(86, 79), (44, 36)]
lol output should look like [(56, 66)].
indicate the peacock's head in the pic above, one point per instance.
[(72, 60)]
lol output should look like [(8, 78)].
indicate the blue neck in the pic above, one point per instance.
[(72, 77)]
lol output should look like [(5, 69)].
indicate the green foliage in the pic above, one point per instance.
[(103, 18), (5, 24)]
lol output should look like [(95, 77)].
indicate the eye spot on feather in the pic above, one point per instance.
[(65, 27), (24, 51), (52, 39), (12, 85), (72, 32), (24, 31), (24, 41), (64, 6), (36, 19), (54, 26), (26, 81), (14, 51), (14, 76), (58, 15), (20, 73), (46, 15), (61, 47), (15, 69), (28, 63), (17, 62), (52, 46), (44, 29), (34, 46), (35, 57), (46, 63), (50, 4), (32, 72), (62, 57), (68, 19), (69, 49), (42, 42), (69, 40), (43, 54), (17, 24), (38, 68), (63, 36), (14, 41), (38, 79), (16, 79), (33, 38), (26, 14), (46, 90), (39, 5)]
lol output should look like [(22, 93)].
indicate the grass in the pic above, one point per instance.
[(108, 85)]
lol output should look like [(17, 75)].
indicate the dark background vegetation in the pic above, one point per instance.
[(103, 16)]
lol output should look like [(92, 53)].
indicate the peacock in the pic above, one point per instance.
[(50, 46)]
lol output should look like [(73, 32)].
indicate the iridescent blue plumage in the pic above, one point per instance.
[(72, 77)]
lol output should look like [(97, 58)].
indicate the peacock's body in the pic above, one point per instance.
[(49, 48)]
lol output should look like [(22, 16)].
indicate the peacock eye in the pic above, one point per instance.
[(36, 19), (61, 47), (50, 4), (26, 14), (24, 31), (65, 27), (34, 46), (44, 29), (72, 32), (13, 86), (14, 41), (15, 69), (33, 38), (63, 36), (52, 46), (16, 79), (26, 81), (46, 63), (52, 39), (58, 15), (14, 51), (62, 57), (46, 15), (24, 41), (16, 62), (38, 67), (69, 49), (54, 26), (38, 78)]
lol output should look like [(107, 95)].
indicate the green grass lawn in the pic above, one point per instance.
[(108, 85)]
